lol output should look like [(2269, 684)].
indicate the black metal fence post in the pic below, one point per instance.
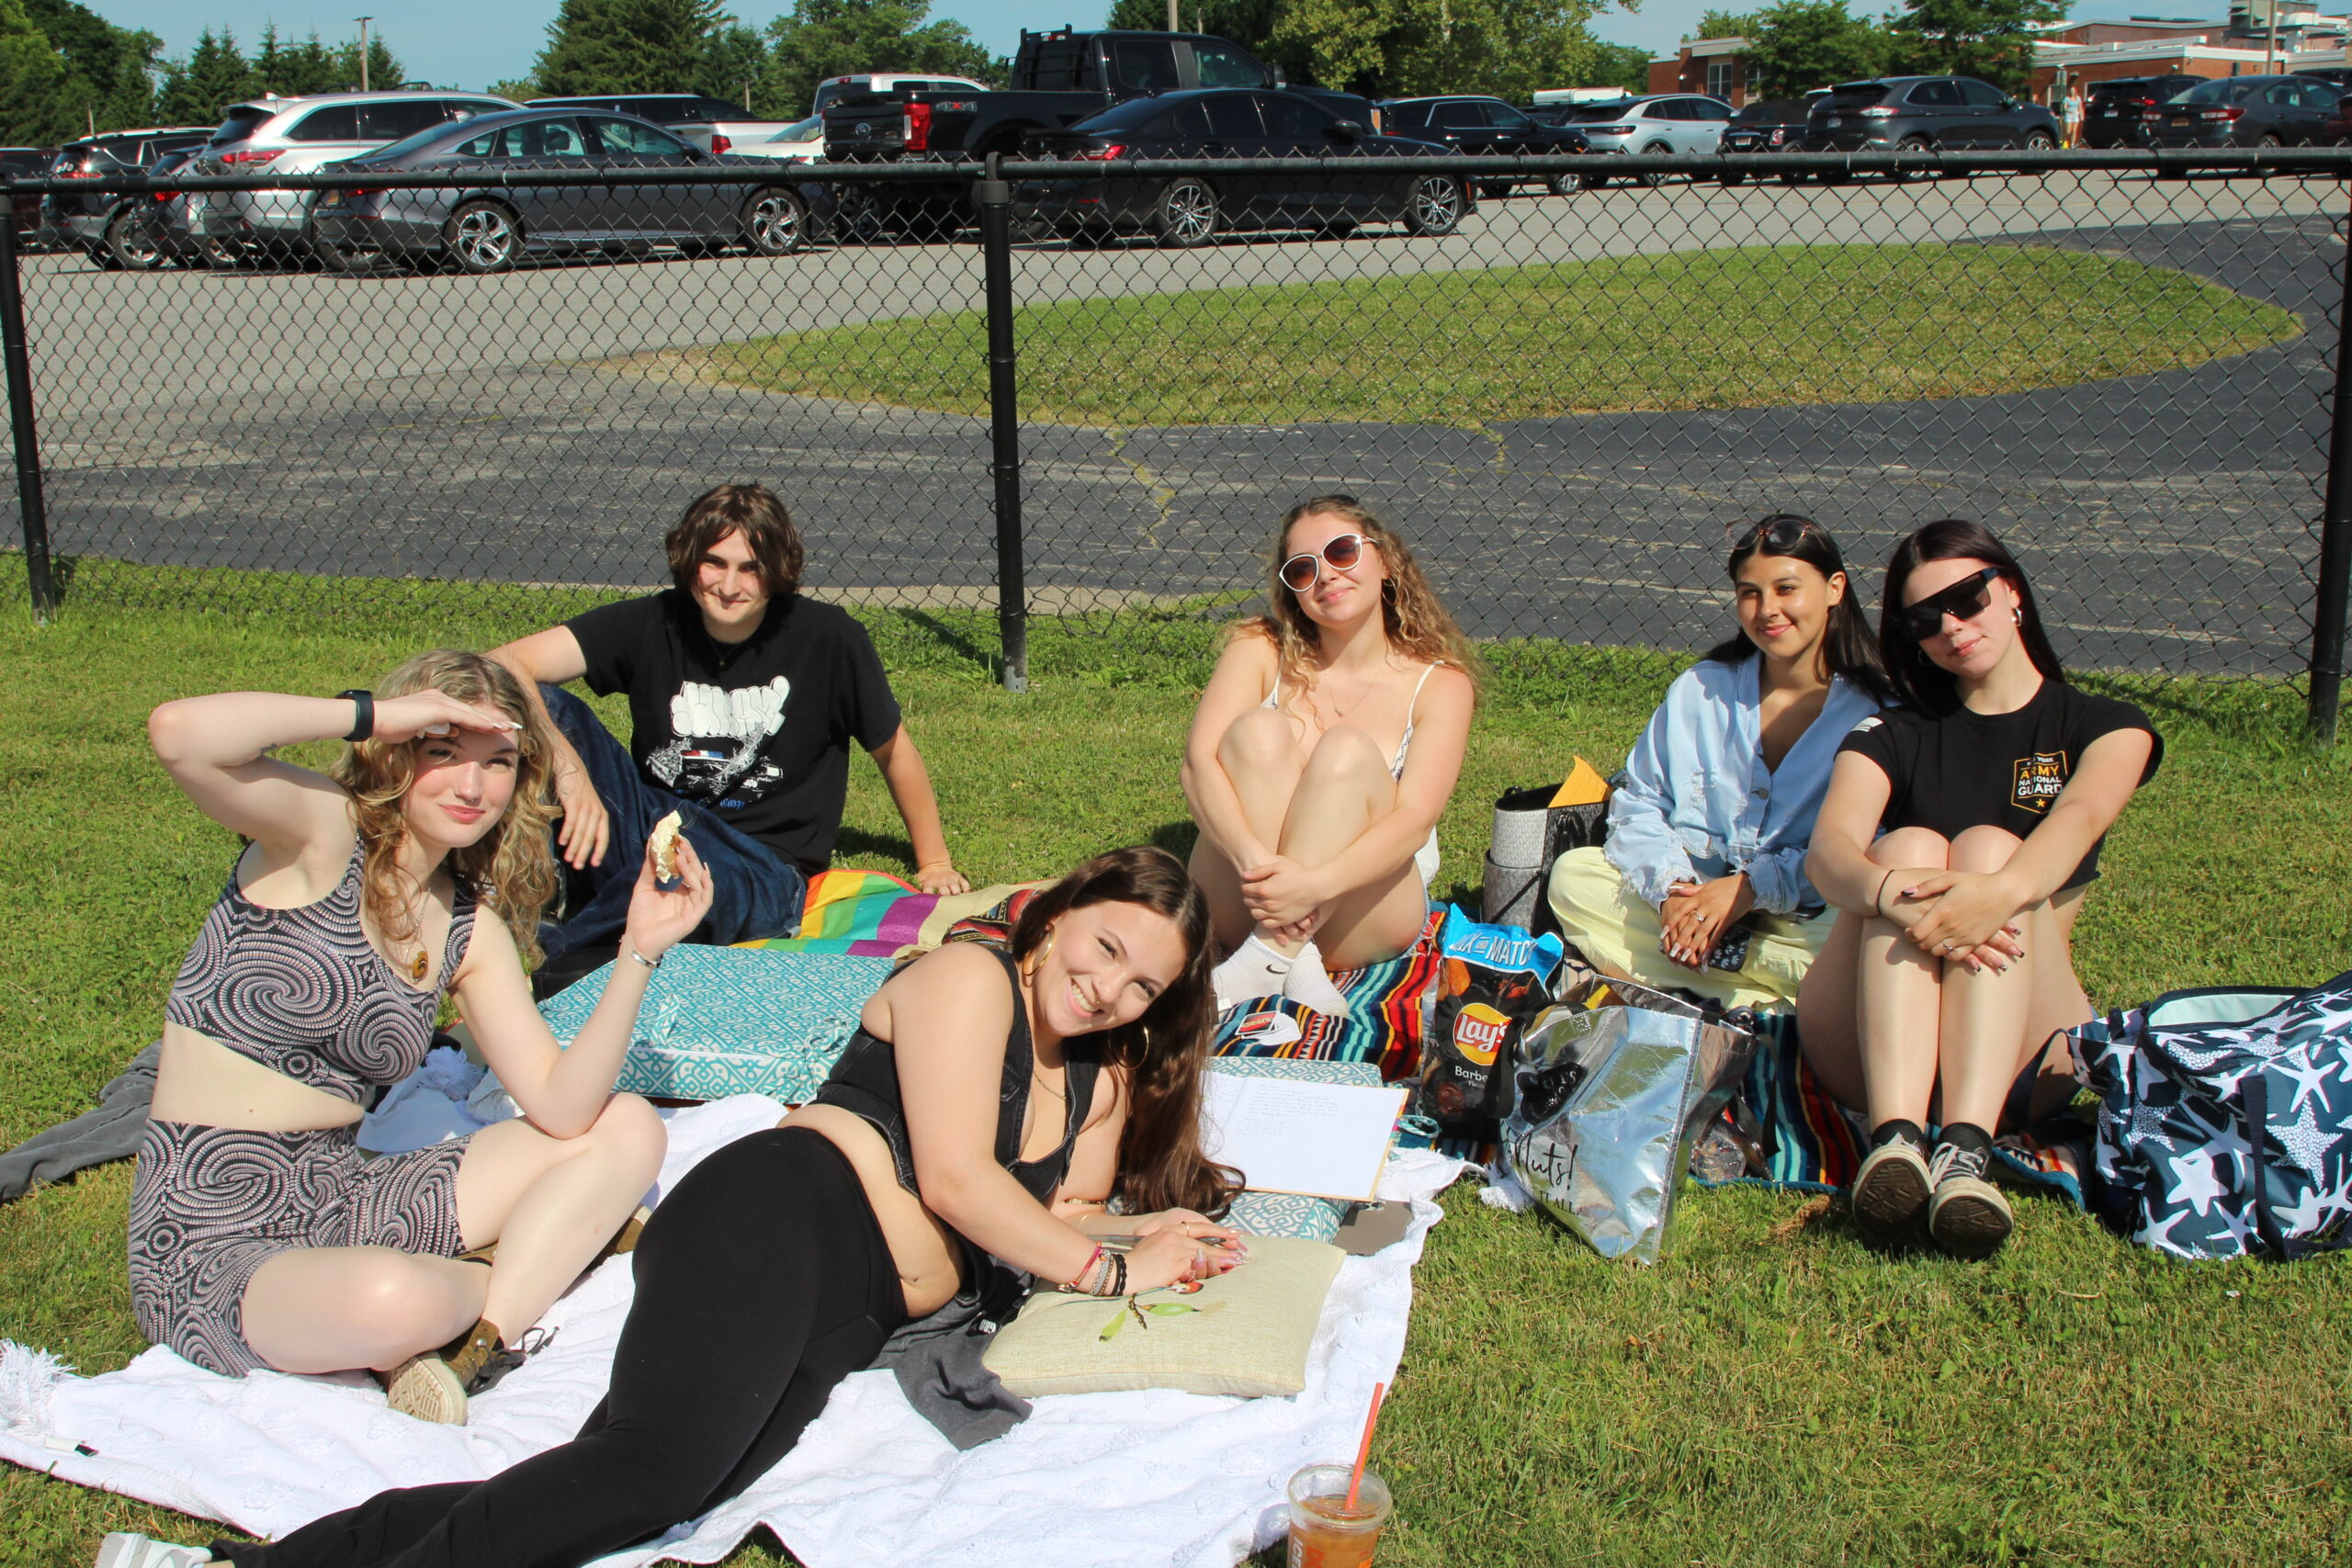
[(2334, 537), (993, 197), (30, 503)]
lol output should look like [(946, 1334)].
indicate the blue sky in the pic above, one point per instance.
[(468, 43)]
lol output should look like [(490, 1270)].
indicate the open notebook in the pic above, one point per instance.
[(1324, 1140)]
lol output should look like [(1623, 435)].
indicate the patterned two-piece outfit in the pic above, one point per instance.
[(303, 992)]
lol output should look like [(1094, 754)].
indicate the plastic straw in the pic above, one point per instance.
[(1363, 1449)]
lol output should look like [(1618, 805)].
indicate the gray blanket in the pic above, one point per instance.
[(111, 1132)]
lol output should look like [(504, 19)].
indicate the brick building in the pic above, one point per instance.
[(1715, 66)]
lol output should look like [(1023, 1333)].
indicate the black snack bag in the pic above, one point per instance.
[(1491, 980)]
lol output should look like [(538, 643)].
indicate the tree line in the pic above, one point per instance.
[(1799, 45), (65, 72)]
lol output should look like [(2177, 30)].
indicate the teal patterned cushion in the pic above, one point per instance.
[(1290, 1213), (722, 1020)]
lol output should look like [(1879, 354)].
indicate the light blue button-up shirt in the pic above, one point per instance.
[(1698, 802)]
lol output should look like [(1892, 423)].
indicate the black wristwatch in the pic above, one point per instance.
[(362, 724)]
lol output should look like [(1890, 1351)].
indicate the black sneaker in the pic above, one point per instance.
[(1889, 1192), (1967, 1216)]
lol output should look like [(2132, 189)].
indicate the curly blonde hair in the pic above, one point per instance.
[(510, 868), (1418, 626)]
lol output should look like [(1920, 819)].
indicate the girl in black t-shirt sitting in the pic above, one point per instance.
[(1957, 837)]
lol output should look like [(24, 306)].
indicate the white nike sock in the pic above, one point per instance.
[(1310, 985), (1254, 970)]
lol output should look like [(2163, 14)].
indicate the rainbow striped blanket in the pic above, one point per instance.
[(871, 914)]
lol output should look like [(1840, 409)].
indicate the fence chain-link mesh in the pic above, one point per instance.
[(1563, 403)]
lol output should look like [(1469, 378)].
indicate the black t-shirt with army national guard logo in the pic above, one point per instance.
[(1997, 770), (757, 730)]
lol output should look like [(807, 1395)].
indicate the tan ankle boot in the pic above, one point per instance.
[(433, 1386)]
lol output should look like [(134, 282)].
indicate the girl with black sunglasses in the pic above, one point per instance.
[(1959, 837), (1700, 883), (1321, 756)]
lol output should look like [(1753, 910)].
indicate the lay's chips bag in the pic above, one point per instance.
[(1491, 980)]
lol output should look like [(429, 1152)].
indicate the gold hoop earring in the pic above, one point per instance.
[(1035, 960), (2016, 615)]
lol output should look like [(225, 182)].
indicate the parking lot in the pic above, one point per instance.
[(510, 427)]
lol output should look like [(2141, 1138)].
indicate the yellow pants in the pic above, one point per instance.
[(1617, 931)]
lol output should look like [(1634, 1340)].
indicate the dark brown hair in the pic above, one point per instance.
[(1847, 650), (1164, 1051), (752, 511), (1919, 681)]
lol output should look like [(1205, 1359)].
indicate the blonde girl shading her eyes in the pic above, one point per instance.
[(259, 1236), (1322, 754)]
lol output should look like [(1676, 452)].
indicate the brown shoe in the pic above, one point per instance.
[(433, 1386)]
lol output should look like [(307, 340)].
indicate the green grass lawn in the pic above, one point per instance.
[(1770, 1394), (1735, 328)]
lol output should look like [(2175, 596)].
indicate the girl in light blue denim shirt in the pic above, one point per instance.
[(1702, 883)]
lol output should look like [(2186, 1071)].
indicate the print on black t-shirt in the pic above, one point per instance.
[(716, 736), (2040, 778)]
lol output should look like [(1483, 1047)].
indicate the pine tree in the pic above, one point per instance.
[(628, 45), (833, 38), (200, 89)]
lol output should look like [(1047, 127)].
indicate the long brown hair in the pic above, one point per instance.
[(1919, 681), (752, 511), (1165, 1051), (510, 868), (1418, 626)]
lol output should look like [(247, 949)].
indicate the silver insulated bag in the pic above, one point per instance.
[(1610, 1088)]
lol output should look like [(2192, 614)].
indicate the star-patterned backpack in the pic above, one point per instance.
[(2225, 1120)]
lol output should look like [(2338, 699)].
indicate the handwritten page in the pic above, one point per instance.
[(1324, 1140)]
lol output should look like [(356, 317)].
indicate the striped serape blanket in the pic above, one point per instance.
[(871, 914), (1383, 1026)]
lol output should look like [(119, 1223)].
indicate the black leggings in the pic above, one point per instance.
[(761, 1281)]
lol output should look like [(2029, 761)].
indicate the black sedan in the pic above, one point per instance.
[(1483, 125), (1339, 183), (491, 226), (1767, 125), (2242, 111)]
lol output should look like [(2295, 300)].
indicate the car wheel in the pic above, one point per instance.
[(337, 256), (1434, 206), (1338, 229), (775, 222), (1649, 182), (1591, 181), (1187, 215), (221, 256), (2038, 141), (1494, 190), (1736, 177), (1561, 184), (2267, 139), (483, 237), (1918, 145), (129, 245), (1793, 177)]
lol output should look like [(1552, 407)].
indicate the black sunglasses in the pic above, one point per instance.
[(1962, 599)]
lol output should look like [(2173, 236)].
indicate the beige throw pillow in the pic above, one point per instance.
[(1245, 1333)]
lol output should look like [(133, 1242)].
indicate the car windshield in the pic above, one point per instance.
[(1852, 95), (808, 129), (240, 123), (2222, 92), (1770, 111)]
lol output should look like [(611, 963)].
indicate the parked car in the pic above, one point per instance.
[(802, 142), (708, 125), (1670, 123), (2336, 131), (1191, 210), (80, 221), (28, 164), (2340, 77), (491, 226), (1925, 114), (1483, 125), (2111, 113), (2242, 111), (297, 136), (883, 84), (1057, 79), (1766, 125), (135, 234)]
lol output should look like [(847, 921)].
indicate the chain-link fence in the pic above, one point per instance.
[(1563, 389)]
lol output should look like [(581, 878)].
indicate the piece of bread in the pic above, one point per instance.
[(665, 851)]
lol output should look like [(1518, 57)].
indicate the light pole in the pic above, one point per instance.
[(363, 22)]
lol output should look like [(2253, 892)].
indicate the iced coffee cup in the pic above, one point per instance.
[(1324, 1531)]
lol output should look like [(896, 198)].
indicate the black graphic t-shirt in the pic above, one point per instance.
[(2001, 770), (758, 731)]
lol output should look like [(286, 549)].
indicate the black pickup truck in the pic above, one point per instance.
[(1059, 79)]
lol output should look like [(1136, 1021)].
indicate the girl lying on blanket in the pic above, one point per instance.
[(1957, 838), (991, 1102), (1321, 756), (259, 1236), (1700, 883)]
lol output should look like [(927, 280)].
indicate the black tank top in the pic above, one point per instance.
[(864, 1081)]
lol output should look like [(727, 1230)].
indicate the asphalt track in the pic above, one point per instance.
[(498, 429)]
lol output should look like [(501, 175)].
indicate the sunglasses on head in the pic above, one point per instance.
[(1962, 599), (1339, 552), (1777, 536)]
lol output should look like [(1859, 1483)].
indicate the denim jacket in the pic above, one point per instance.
[(1696, 801)]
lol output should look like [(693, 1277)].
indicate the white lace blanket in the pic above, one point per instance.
[(1109, 1479)]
